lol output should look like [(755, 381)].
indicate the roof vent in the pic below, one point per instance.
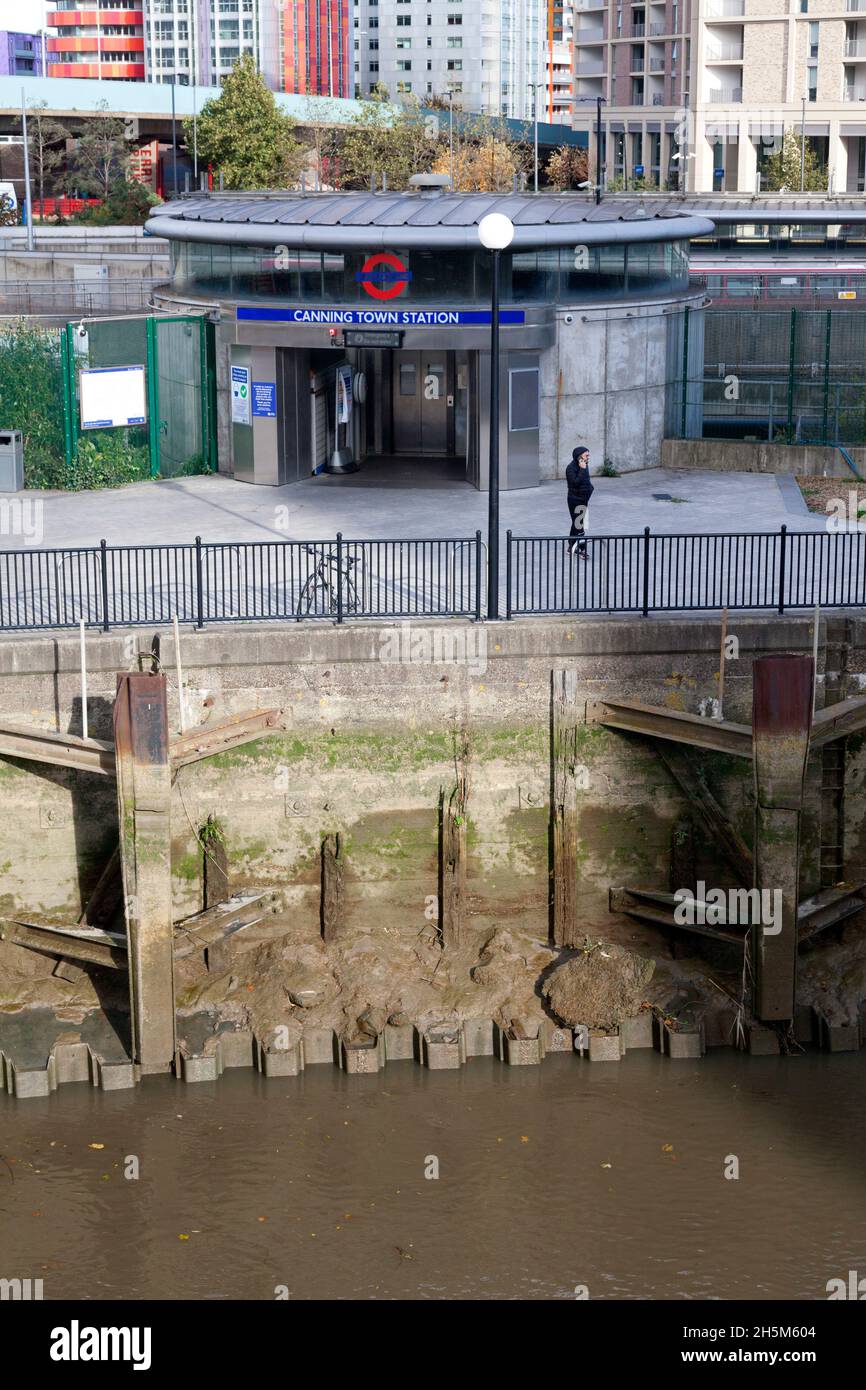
[(430, 185)]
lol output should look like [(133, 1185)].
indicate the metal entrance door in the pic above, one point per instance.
[(423, 403)]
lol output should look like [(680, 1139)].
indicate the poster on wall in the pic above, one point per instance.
[(241, 396), (112, 396), (265, 399), (344, 395)]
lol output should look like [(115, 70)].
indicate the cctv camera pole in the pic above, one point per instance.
[(28, 205)]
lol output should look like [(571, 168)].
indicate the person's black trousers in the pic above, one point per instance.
[(577, 512)]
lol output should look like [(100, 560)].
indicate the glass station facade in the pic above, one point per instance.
[(552, 275)]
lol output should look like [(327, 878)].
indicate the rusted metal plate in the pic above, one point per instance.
[(144, 816), (838, 721)]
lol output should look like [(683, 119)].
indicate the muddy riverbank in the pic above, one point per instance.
[(549, 1178)]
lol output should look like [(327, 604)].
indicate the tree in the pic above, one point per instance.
[(45, 135), (567, 167), (128, 204), (781, 170), (486, 158), (244, 134), (324, 144), (8, 212), (100, 154), (397, 141)]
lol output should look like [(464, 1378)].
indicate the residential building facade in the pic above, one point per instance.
[(21, 55), (95, 38), (316, 47), (485, 55), (698, 93)]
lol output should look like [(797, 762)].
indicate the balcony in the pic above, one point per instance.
[(639, 31), (855, 94), (657, 65), (856, 6), (725, 96), (725, 53), (658, 98), (589, 36), (636, 65), (589, 69), (855, 48), (657, 29), (733, 9)]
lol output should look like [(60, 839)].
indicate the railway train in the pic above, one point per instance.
[(738, 280)]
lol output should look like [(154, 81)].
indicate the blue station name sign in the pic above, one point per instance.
[(380, 318)]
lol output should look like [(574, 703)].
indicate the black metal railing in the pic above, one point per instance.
[(646, 573), (203, 582), (247, 581)]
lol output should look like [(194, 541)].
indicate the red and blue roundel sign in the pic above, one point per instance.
[(384, 275)]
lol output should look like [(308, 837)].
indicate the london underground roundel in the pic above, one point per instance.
[(384, 275)]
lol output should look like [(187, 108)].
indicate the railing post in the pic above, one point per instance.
[(646, 552), (339, 576), (199, 585), (783, 546), (508, 574), (103, 564), (792, 358), (478, 577)]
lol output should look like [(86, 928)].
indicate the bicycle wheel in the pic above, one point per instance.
[(307, 598)]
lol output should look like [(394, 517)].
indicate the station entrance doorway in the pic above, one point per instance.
[(423, 403)]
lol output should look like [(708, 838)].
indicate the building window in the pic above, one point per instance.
[(455, 64), (403, 21), (455, 19), (804, 6), (403, 43), (404, 88), (403, 65), (456, 43), (813, 39), (812, 82)]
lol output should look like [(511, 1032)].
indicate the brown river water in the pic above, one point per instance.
[(609, 1176)]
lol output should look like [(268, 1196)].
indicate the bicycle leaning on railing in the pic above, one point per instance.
[(330, 587)]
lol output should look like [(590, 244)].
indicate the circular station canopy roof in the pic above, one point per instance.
[(429, 219)]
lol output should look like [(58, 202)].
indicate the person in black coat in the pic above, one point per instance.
[(580, 489)]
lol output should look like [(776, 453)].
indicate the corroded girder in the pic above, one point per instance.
[(719, 735)]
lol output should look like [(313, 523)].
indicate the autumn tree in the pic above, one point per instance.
[(781, 172), (244, 134), (567, 167), (486, 158)]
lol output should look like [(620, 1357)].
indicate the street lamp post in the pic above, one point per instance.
[(598, 102), (451, 136), (803, 145), (495, 232), (535, 86)]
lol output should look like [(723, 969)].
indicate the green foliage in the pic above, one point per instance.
[(106, 458), (567, 167), (8, 214), (128, 204), (608, 469), (245, 135), (781, 170), (632, 185), (31, 394), (397, 141)]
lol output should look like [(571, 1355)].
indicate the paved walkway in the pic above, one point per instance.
[(379, 505)]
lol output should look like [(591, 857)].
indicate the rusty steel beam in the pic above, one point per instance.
[(838, 721), (231, 733), (716, 735), (144, 806), (62, 750), (89, 944), (564, 720), (699, 797), (828, 908), (781, 725), (657, 908)]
